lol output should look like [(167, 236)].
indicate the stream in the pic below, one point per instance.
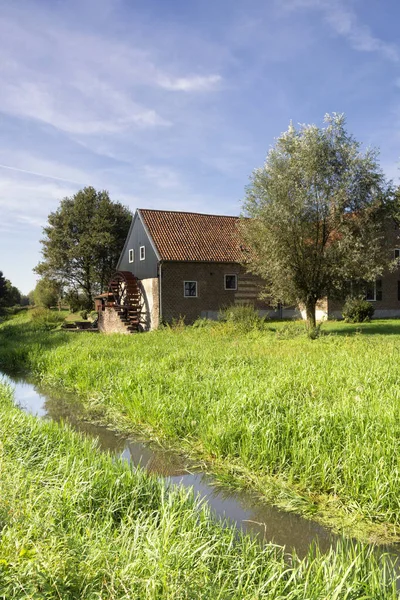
[(241, 508)]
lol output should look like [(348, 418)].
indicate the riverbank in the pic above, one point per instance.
[(311, 425), (77, 523)]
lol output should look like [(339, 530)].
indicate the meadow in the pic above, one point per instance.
[(312, 425), (77, 523)]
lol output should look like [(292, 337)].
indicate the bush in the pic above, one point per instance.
[(202, 322), (357, 310), (291, 330), (45, 318), (244, 316), (84, 314)]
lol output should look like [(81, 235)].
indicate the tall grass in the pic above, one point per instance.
[(317, 422), (77, 524)]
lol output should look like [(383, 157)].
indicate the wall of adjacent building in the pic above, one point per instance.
[(211, 293)]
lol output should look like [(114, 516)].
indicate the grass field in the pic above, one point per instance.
[(77, 524), (312, 425)]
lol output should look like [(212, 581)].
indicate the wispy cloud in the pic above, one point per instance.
[(195, 83), (345, 22), (25, 171), (86, 84)]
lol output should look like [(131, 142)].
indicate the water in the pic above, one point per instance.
[(243, 509)]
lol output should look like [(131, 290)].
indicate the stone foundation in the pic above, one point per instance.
[(109, 322)]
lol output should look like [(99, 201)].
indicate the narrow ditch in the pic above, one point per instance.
[(242, 509)]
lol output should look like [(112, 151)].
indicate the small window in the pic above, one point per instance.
[(374, 291), (131, 255), (190, 289), (230, 282), (142, 252)]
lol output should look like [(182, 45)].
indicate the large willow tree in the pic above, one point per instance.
[(318, 210), (83, 240)]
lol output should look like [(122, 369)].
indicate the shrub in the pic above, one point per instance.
[(357, 310), (84, 314), (291, 330), (45, 318), (314, 332), (244, 316), (202, 322)]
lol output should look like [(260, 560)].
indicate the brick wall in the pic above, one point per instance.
[(389, 306), (211, 295)]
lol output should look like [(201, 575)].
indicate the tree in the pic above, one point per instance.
[(13, 295), (317, 215), (9, 294), (3, 288), (83, 240), (47, 293)]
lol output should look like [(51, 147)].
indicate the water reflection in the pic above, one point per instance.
[(242, 508)]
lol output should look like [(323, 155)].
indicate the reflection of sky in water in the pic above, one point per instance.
[(286, 529), (26, 396)]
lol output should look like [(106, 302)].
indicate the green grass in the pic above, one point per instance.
[(313, 426), (77, 524)]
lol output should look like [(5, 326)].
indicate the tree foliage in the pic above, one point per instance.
[(83, 240), (47, 293), (317, 215), (3, 288), (9, 294)]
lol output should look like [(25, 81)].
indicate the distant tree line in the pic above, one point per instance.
[(10, 295)]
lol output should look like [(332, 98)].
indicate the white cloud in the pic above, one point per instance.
[(162, 177), (85, 84), (344, 21), (195, 83)]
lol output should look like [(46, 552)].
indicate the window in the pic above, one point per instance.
[(230, 282), (190, 289), (142, 252), (131, 255), (374, 291)]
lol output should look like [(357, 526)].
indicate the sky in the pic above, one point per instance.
[(171, 104)]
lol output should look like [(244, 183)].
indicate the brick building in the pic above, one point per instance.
[(182, 264), (187, 265)]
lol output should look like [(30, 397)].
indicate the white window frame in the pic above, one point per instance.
[(184, 288), (142, 252), (131, 255), (231, 289), (375, 290)]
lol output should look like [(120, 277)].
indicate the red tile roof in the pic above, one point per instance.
[(185, 236)]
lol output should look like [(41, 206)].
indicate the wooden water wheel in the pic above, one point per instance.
[(124, 296)]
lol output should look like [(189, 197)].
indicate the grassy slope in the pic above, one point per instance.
[(312, 424), (76, 524)]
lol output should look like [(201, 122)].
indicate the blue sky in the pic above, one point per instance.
[(171, 104)]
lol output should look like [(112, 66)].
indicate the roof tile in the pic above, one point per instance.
[(185, 236)]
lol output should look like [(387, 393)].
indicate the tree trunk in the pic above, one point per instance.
[(310, 314)]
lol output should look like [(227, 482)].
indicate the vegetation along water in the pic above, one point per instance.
[(77, 523), (312, 425)]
